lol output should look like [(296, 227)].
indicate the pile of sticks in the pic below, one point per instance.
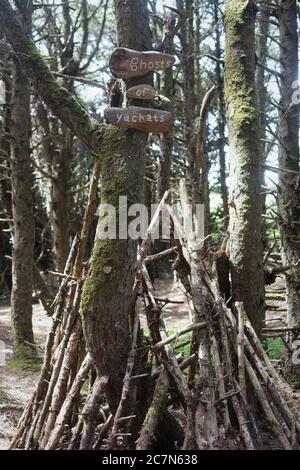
[(225, 395)]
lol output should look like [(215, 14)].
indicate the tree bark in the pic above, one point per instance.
[(289, 193), (57, 152), (189, 96), (22, 207), (221, 118), (60, 196), (106, 300), (202, 163), (245, 160), (262, 91), (168, 92), (5, 183)]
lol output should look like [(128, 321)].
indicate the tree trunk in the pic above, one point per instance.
[(106, 300), (289, 193), (60, 200), (22, 207), (221, 118), (5, 183), (245, 161), (168, 92), (262, 92), (57, 152), (189, 97)]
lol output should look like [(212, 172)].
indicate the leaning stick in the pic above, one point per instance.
[(182, 331), (261, 395), (69, 402), (151, 229), (66, 362), (87, 219), (30, 411), (90, 413), (56, 319), (161, 255), (260, 349), (241, 346), (126, 382), (159, 403), (56, 371)]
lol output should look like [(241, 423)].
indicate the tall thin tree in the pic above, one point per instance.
[(22, 204), (289, 181), (245, 159)]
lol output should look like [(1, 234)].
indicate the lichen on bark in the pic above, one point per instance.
[(245, 159), (107, 294), (106, 299)]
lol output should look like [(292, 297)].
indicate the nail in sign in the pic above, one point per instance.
[(143, 119), (127, 63), (141, 92)]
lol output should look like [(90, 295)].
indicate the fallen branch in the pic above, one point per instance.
[(182, 331)]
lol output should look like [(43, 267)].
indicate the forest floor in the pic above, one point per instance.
[(17, 385)]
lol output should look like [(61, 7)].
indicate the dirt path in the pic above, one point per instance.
[(16, 386), (175, 315)]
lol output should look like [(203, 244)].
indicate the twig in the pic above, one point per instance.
[(241, 346), (85, 81), (183, 331), (126, 383)]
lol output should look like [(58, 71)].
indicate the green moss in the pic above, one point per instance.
[(60, 100), (185, 349), (239, 71), (115, 170), (274, 347), (28, 364), (24, 353), (118, 180), (85, 389), (99, 283)]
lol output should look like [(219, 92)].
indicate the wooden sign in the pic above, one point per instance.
[(141, 92), (143, 119), (126, 63)]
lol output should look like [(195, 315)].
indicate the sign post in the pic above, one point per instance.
[(127, 63), (141, 92), (143, 119)]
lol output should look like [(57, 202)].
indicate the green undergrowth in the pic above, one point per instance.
[(185, 348), (30, 365), (274, 348)]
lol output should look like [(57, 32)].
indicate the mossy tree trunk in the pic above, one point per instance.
[(22, 206), (246, 252), (289, 193), (106, 300), (60, 101)]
